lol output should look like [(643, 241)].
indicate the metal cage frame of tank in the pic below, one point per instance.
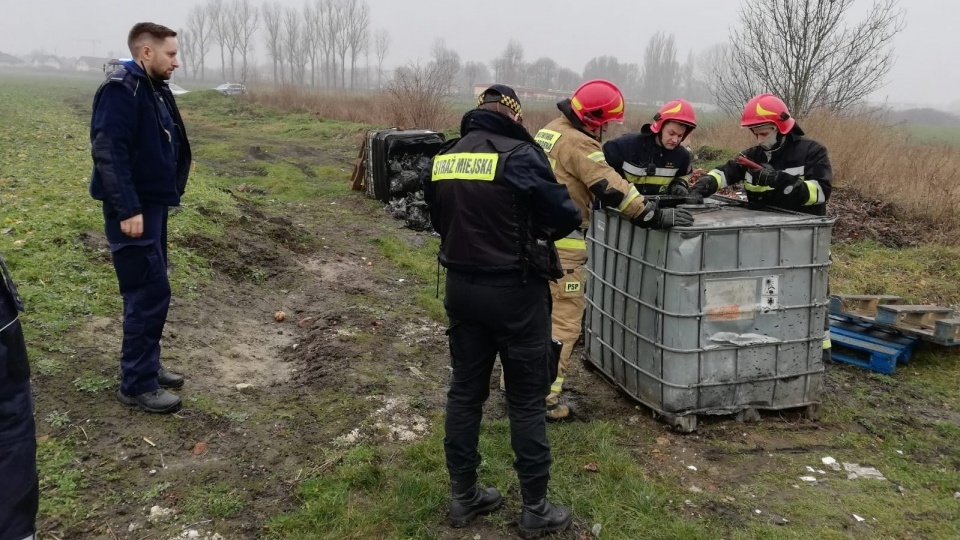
[(642, 338)]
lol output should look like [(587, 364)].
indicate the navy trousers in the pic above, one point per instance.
[(490, 315), (141, 266), (19, 494)]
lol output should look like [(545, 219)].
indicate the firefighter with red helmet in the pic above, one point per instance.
[(573, 146), (653, 159), (795, 173)]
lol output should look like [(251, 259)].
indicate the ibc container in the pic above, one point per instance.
[(725, 316), (392, 144)]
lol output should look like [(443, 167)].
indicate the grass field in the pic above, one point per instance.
[(618, 468)]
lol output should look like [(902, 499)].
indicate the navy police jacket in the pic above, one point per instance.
[(492, 196), (140, 150)]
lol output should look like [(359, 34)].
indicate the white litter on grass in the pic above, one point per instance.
[(830, 462), (858, 518), (810, 479), (854, 471), (692, 468), (158, 513), (596, 529), (899, 452), (810, 469), (757, 511)]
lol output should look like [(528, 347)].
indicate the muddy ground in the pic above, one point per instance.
[(353, 360)]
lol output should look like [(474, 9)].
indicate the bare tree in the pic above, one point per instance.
[(293, 44), (626, 76), (246, 19), (543, 73), (341, 38), (185, 53), (508, 67), (661, 71), (312, 33), (568, 79), (804, 53), (474, 73), (220, 30), (198, 23), (331, 14), (446, 63), (272, 22), (418, 95), (357, 18), (381, 46)]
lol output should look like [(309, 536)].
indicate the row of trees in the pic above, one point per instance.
[(800, 50), (312, 45)]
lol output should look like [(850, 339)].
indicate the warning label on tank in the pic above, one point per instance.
[(741, 298), (731, 299)]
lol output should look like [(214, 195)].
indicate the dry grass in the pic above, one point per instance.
[(868, 157)]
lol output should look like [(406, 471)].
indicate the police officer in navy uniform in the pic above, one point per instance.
[(498, 208), (19, 494), (141, 161)]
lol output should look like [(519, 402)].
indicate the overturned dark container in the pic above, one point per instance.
[(393, 159)]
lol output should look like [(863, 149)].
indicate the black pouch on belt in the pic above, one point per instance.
[(543, 258)]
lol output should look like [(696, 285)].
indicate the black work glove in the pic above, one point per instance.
[(653, 217), (768, 176), (678, 188)]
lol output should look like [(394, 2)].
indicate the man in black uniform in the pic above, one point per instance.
[(19, 495), (794, 173), (499, 209), (653, 158)]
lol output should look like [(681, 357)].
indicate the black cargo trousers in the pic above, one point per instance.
[(509, 315), (19, 488)]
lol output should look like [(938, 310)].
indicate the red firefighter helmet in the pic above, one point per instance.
[(597, 102), (767, 109), (678, 110)]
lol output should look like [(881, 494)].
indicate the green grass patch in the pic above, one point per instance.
[(61, 481), (925, 274), (217, 500), (420, 263)]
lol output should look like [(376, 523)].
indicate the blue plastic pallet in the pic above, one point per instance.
[(879, 350)]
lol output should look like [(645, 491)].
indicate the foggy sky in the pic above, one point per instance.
[(571, 32)]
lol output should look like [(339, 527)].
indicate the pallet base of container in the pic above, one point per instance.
[(687, 423)]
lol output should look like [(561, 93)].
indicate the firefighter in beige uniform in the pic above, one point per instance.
[(572, 143)]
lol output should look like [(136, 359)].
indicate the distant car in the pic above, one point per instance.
[(176, 90), (232, 89)]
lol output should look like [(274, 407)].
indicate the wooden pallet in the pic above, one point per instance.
[(936, 324), (863, 344), (359, 168)]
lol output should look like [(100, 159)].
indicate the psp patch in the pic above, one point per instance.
[(571, 286)]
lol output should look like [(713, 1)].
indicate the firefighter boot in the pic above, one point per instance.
[(556, 411), (543, 517), (467, 504)]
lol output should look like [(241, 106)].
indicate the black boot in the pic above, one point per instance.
[(543, 517), (471, 502)]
